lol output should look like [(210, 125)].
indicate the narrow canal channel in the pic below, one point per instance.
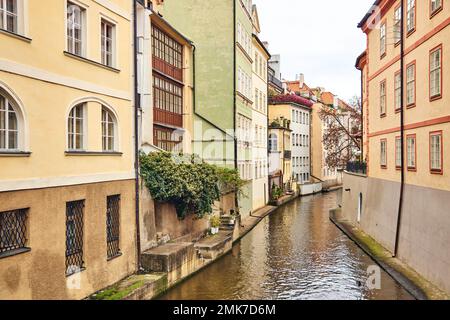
[(295, 253)]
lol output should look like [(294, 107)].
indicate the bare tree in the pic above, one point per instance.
[(342, 134)]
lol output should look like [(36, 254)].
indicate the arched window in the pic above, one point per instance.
[(76, 123), (108, 130), (9, 125), (273, 142)]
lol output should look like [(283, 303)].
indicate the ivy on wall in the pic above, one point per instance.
[(187, 182)]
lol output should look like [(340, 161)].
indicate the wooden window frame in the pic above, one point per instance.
[(437, 171), (437, 96), (397, 41), (104, 24)]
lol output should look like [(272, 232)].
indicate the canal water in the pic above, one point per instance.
[(295, 253)]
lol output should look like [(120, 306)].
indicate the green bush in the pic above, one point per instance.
[(186, 181)]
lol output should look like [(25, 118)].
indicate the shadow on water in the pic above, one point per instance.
[(295, 253)]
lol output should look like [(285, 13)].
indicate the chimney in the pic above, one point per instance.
[(301, 80), (285, 87)]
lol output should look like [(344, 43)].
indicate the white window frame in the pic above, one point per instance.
[(110, 119), (436, 153), (411, 84), (383, 153), (411, 146), (435, 6), (398, 152), (83, 26), (71, 135), (397, 24), (383, 39), (436, 69), (410, 16), (8, 108), (383, 98), (108, 22)]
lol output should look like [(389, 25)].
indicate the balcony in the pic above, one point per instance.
[(166, 117), (287, 154), (167, 69)]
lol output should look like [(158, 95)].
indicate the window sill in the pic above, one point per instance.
[(412, 169), (384, 167), (95, 63), (382, 56), (410, 32), (244, 52), (383, 115), (15, 35), (93, 153), (76, 272), (434, 98), (16, 154), (437, 172), (435, 12), (410, 106), (14, 252), (114, 257), (244, 98)]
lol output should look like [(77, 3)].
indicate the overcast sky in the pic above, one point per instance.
[(319, 38)]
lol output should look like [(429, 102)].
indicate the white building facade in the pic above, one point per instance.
[(260, 188), (301, 143)]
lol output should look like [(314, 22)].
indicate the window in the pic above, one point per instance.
[(76, 128), (398, 152), (13, 232), (383, 98), (383, 153), (167, 54), (74, 237), (9, 126), (435, 6), (436, 152), (168, 102), (410, 16), (75, 29), (411, 151), (397, 24), (383, 40), (273, 142), (113, 226), (167, 139), (398, 91), (108, 130), (9, 15), (435, 73), (411, 85), (107, 43)]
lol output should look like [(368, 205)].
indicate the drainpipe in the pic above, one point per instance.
[(136, 137), (236, 200), (362, 115), (402, 131)]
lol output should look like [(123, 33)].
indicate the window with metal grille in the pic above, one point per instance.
[(13, 231), (74, 237), (113, 226)]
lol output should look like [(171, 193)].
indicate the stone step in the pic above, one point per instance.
[(168, 257)]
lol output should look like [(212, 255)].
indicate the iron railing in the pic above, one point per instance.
[(13, 230), (113, 226), (74, 237), (357, 167)]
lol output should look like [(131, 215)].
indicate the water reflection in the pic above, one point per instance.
[(295, 253)]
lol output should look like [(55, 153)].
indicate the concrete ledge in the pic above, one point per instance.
[(414, 283), (136, 287), (168, 257)]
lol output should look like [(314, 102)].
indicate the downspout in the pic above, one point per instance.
[(236, 200), (234, 87), (402, 131), (362, 116), (136, 138)]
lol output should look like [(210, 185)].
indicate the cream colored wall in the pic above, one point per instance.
[(47, 83), (316, 142), (424, 109)]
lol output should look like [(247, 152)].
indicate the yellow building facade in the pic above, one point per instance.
[(408, 216), (66, 148)]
